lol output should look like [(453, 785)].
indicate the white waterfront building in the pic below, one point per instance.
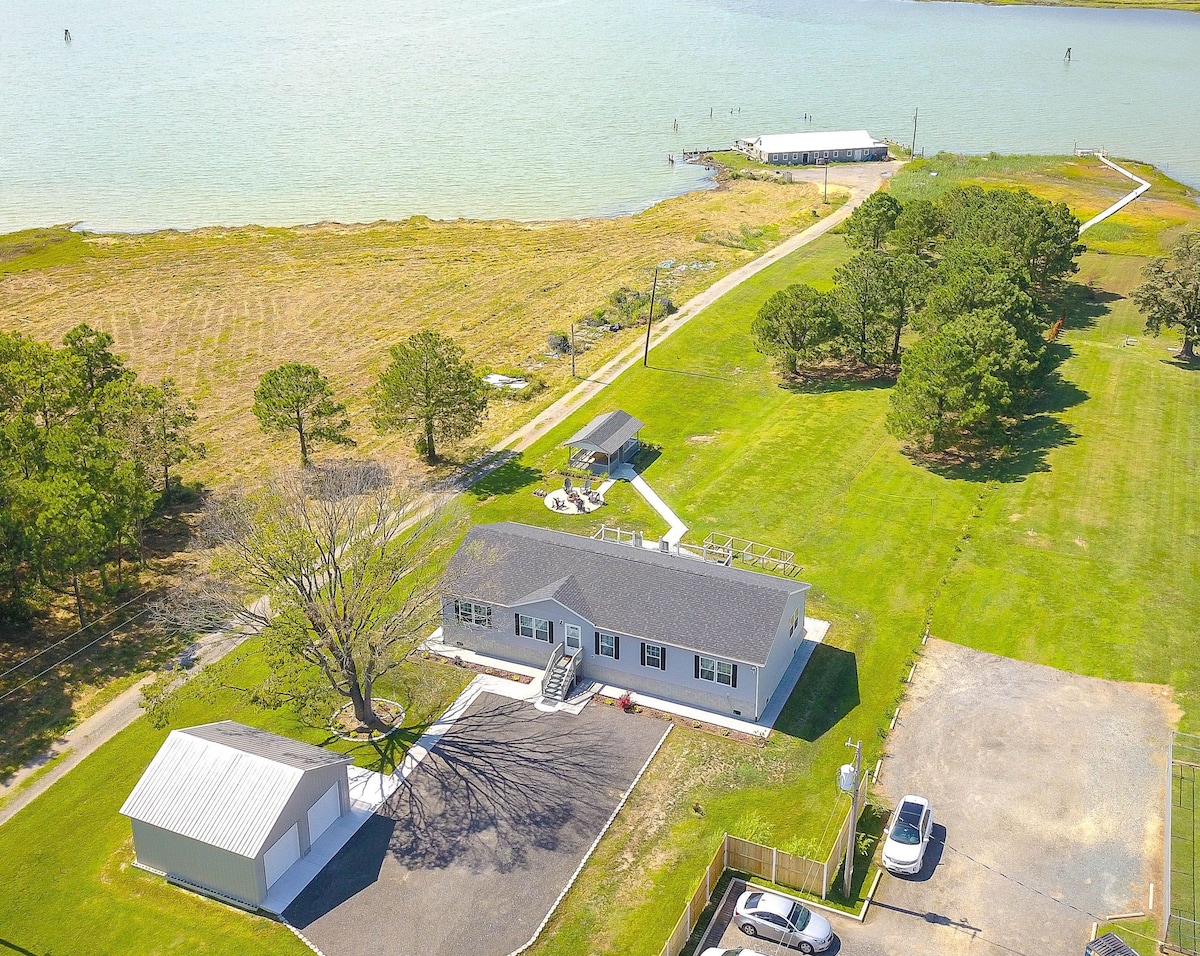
[(807, 149)]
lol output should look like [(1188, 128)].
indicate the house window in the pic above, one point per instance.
[(654, 655), (534, 627), (719, 672), (473, 612), (774, 157), (795, 622), (608, 645)]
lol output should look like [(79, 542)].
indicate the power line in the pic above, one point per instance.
[(74, 654), (74, 633)]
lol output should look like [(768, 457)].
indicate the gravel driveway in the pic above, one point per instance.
[(1047, 791), (471, 853)]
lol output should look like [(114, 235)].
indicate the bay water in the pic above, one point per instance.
[(182, 114)]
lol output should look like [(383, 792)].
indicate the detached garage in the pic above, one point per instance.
[(227, 809)]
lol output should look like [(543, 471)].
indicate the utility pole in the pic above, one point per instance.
[(573, 375), (826, 165), (848, 777), (913, 154), (650, 318)]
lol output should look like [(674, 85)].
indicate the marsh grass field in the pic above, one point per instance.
[(215, 308), (1078, 551)]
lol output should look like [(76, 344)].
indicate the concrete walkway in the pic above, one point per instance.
[(1120, 203), (123, 710), (676, 528)]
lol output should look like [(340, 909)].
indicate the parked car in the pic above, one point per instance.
[(782, 920), (908, 835)]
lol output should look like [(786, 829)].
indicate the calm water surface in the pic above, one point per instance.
[(168, 113)]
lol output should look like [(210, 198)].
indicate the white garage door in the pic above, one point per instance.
[(283, 854), (322, 813)]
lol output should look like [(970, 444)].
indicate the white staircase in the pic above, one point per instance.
[(560, 676)]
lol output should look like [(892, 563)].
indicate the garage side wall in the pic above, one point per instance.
[(193, 862)]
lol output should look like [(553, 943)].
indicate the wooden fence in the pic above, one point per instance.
[(695, 906), (768, 863)]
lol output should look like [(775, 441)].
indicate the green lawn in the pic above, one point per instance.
[(1080, 552), (1103, 477), (66, 884), (814, 472)]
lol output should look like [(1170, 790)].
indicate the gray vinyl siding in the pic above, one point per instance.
[(194, 862), (677, 683), (501, 639), (782, 651)]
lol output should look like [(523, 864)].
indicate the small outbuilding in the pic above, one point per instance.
[(227, 809), (605, 442), (812, 149)]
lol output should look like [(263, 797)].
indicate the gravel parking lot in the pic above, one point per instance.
[(1047, 791), (469, 855)]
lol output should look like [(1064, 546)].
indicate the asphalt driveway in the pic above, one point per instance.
[(469, 855), (1047, 791)]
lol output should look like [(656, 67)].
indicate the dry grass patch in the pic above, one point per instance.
[(216, 307)]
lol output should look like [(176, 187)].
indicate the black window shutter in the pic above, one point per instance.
[(517, 624), (597, 643), (662, 658), (456, 614), (616, 648), (697, 671), (550, 624), (643, 654), (734, 684)]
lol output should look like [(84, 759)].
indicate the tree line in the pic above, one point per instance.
[(86, 454), (88, 451), (954, 296)]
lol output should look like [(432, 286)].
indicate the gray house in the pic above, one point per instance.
[(662, 624), (227, 809)]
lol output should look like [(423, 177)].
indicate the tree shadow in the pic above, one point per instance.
[(1035, 438), (508, 477), (1082, 306), (1187, 365), (826, 692), (503, 788), (862, 378)]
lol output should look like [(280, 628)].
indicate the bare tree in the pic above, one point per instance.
[(335, 564)]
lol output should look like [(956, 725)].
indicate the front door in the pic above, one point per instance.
[(574, 637)]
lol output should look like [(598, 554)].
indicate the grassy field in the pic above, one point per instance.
[(216, 307), (66, 883), (1148, 227), (1079, 552)]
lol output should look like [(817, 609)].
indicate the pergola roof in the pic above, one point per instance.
[(606, 433)]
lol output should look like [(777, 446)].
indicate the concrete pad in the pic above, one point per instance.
[(1048, 793), (471, 853)]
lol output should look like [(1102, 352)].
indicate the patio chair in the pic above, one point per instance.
[(587, 486)]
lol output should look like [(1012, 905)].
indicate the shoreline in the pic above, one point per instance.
[(716, 178)]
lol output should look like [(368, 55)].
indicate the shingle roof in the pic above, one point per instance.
[(607, 433), (224, 784), (647, 594)]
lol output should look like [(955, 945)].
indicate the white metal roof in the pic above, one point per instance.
[(223, 784), (815, 142)]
